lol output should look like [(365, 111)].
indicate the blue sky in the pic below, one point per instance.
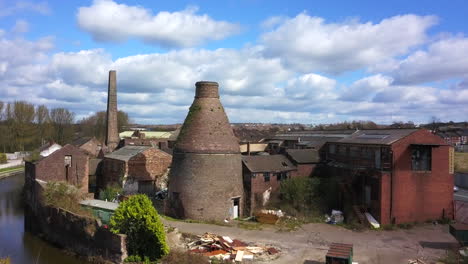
[(276, 61)]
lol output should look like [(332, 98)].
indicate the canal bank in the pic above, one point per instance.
[(20, 246)]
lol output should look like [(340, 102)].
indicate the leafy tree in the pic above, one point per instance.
[(300, 192), (62, 122), (3, 158), (138, 219)]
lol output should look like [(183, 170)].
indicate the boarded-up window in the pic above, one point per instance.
[(421, 158)]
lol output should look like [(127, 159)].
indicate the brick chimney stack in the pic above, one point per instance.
[(112, 133)]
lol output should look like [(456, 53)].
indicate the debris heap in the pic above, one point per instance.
[(223, 247)]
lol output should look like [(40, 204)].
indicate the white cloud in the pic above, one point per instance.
[(19, 6), (311, 86), (364, 88), (21, 26), (108, 21), (308, 43), (443, 59), (89, 67)]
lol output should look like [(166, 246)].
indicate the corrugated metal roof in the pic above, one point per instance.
[(269, 163), (304, 155), (377, 136), (126, 152)]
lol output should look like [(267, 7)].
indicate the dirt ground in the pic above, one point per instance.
[(310, 243)]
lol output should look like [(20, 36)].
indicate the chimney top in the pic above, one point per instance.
[(206, 89)]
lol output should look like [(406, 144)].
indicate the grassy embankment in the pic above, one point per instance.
[(461, 162)]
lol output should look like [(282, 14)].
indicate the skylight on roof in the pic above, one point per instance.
[(372, 136)]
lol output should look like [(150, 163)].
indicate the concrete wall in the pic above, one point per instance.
[(202, 186), (421, 195)]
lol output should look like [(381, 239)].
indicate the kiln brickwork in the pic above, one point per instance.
[(205, 182)]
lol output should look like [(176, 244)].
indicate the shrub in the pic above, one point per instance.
[(3, 158), (110, 193), (5, 260), (139, 220), (62, 195), (301, 193), (34, 156)]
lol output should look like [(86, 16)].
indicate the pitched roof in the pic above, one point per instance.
[(268, 163), (302, 156), (81, 141), (126, 153), (377, 136)]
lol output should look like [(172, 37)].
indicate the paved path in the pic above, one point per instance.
[(11, 163), (310, 244)]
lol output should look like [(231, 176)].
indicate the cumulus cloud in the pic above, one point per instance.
[(311, 86), (364, 88), (308, 43), (108, 21), (443, 59)]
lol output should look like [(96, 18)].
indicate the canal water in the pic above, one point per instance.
[(20, 246)]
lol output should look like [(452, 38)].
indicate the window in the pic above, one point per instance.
[(253, 175), (331, 148), (421, 158), (266, 176), (68, 160), (282, 176)]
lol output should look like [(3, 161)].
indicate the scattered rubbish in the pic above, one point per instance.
[(269, 216), (226, 248), (372, 221), (335, 218)]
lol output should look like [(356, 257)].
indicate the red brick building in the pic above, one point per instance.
[(89, 144), (139, 169), (305, 160), (397, 175), (68, 164), (262, 175)]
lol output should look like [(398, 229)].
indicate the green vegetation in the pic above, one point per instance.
[(11, 169), (33, 157), (110, 193), (461, 162), (62, 195), (5, 260), (3, 158), (139, 220)]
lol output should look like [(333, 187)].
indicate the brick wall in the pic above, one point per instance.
[(421, 196), (303, 170), (205, 185), (52, 167), (149, 164), (92, 147)]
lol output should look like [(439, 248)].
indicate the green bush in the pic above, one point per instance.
[(139, 220), (3, 158), (62, 195), (110, 193), (301, 193)]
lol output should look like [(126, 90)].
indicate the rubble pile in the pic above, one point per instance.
[(223, 247)]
